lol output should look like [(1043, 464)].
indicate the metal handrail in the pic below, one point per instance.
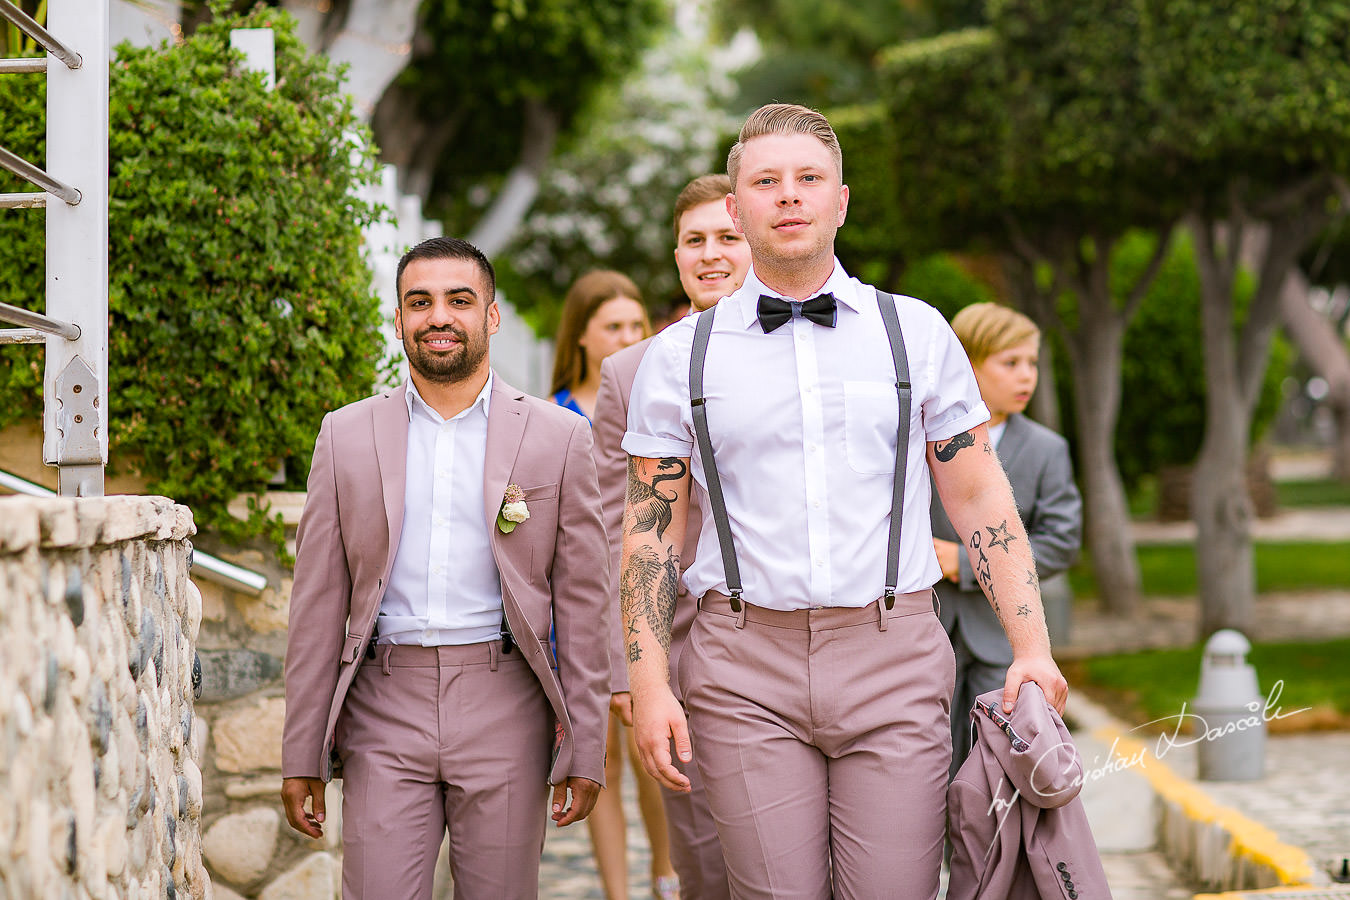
[(22, 336), (46, 324), (23, 65), (236, 578), (23, 201), (29, 26), (31, 173)]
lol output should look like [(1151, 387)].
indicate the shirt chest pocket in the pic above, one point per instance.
[(871, 410)]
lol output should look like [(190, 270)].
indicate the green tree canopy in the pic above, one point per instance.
[(489, 80)]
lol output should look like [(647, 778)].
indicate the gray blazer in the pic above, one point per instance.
[(1037, 462)]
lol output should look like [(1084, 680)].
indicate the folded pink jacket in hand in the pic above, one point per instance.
[(1017, 826)]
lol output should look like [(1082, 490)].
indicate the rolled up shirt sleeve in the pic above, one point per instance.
[(954, 406), (659, 423)]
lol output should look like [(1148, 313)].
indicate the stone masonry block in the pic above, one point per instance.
[(248, 738), (239, 847), (19, 527), (60, 524), (317, 878)]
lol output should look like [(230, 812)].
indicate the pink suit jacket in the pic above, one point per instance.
[(553, 567), (1017, 827), (611, 464)]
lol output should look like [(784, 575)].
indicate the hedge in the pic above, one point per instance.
[(241, 308)]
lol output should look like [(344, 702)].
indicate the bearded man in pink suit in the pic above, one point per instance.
[(712, 258), (451, 525)]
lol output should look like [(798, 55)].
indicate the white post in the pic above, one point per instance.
[(260, 51), (77, 249)]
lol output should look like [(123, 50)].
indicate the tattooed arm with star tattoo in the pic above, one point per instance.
[(655, 513), (978, 500)]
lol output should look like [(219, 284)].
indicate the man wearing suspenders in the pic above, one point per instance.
[(817, 676)]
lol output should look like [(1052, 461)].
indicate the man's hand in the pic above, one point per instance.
[(584, 794), (657, 720), (621, 705), (949, 557), (294, 793), (1043, 671)]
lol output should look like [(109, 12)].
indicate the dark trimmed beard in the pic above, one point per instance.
[(447, 368)]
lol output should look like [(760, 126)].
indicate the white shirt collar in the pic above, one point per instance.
[(484, 399), (840, 283)]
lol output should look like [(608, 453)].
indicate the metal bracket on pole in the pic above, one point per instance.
[(79, 458)]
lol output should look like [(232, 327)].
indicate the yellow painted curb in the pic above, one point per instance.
[(1280, 891), (1251, 840)]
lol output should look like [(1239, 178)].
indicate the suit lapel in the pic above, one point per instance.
[(506, 426), (390, 421)]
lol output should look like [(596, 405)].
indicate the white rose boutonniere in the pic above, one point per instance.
[(513, 511)]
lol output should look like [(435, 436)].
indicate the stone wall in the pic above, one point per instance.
[(247, 845), (100, 788)]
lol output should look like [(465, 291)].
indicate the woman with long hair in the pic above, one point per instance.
[(602, 314)]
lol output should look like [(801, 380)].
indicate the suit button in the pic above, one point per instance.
[(1073, 895), (1061, 866), (1068, 885), (1065, 875)]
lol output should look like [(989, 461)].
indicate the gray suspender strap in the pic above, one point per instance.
[(702, 330), (892, 321)]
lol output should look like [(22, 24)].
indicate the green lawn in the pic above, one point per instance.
[(1320, 492), (1149, 686), (1169, 569)]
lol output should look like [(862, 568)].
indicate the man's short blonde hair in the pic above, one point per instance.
[(988, 328), (785, 118)]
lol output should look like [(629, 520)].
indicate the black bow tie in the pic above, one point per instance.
[(774, 311)]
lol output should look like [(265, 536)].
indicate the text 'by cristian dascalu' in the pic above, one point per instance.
[(1259, 713)]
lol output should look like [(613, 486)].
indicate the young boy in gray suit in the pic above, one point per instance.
[(1003, 346)]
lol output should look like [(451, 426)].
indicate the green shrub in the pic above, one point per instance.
[(241, 309)]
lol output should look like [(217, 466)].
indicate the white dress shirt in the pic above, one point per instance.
[(444, 587), (803, 426)]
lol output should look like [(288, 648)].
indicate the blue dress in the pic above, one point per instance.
[(564, 399)]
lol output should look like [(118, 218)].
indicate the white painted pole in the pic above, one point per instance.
[(77, 247)]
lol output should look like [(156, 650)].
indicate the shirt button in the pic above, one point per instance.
[(816, 504)]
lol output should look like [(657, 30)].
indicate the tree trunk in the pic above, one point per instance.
[(512, 203), (1095, 354), (1225, 565), (1325, 353), (1235, 365), (1095, 348), (374, 41)]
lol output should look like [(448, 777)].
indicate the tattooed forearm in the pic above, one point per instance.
[(634, 652), (1023, 610), (1033, 580), (988, 448), (647, 589), (945, 452), (1000, 537)]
